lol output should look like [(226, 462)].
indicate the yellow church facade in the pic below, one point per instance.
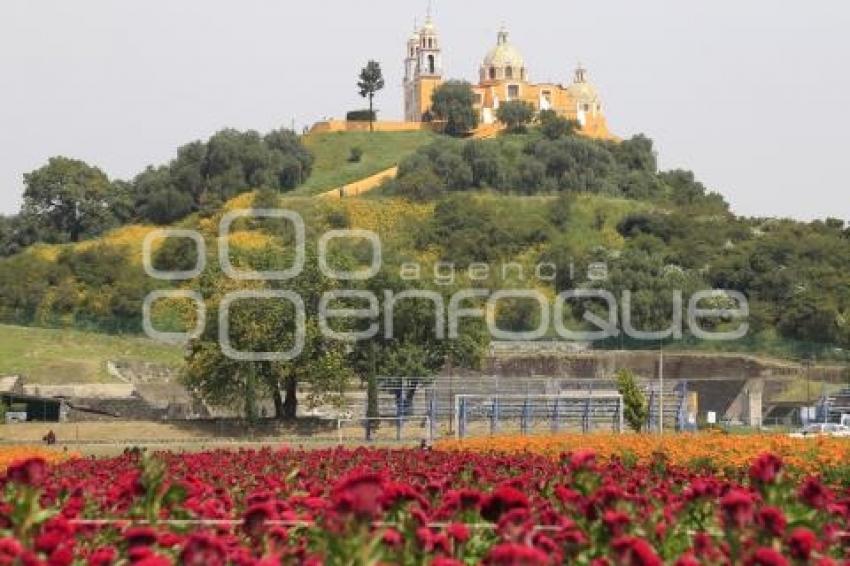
[(503, 76)]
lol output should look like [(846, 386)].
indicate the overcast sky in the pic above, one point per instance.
[(753, 95)]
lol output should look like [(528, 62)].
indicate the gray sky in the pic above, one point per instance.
[(753, 95)]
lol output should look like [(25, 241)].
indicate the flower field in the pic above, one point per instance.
[(441, 507), (718, 450)]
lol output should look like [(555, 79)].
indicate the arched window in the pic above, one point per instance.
[(432, 67), (492, 73), (430, 43), (509, 72)]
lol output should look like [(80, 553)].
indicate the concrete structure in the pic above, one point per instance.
[(503, 77)]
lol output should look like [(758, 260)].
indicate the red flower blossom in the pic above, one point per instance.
[(802, 543), (255, 518), (616, 522), (582, 459), (140, 536), (31, 471), (767, 557), (813, 493), (359, 494), (392, 538), (737, 507), (633, 551), (10, 550), (203, 550), (103, 556), (772, 520), (503, 499), (765, 469), (458, 531), (511, 554)]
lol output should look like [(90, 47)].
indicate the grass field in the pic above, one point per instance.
[(52, 357), (381, 150)]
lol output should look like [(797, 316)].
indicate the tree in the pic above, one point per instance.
[(454, 103), (516, 115), (553, 126), (371, 81), (635, 409), (264, 325), (69, 199)]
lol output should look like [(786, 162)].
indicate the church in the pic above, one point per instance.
[(503, 77)]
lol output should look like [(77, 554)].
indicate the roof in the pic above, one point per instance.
[(504, 54)]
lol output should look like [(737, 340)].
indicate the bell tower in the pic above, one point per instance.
[(423, 70)]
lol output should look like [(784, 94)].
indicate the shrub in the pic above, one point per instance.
[(356, 154), (364, 115)]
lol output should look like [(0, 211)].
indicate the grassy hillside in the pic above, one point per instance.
[(381, 150), (49, 356)]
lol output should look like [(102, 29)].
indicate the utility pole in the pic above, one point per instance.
[(661, 388)]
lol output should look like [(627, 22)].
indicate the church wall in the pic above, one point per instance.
[(331, 126)]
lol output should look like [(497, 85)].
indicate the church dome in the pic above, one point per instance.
[(583, 91), (504, 54)]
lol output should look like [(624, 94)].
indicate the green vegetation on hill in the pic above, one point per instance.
[(380, 150), (58, 356)]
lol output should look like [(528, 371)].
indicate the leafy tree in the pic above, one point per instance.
[(421, 185), (413, 352), (454, 103), (69, 199), (516, 115), (635, 409), (554, 126), (371, 81), (267, 326)]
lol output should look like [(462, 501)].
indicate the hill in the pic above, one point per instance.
[(518, 200), (334, 166), (56, 356)]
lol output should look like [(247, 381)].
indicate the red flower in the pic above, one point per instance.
[(359, 494), (582, 459), (511, 554), (772, 520), (392, 538), (813, 493), (10, 550), (801, 543), (502, 500), (103, 556), (458, 531), (31, 471), (767, 557), (140, 536), (633, 551), (255, 518), (203, 550), (765, 469), (737, 507), (616, 522), (687, 559)]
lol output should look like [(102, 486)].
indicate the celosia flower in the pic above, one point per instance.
[(772, 520), (634, 551), (203, 550), (458, 531), (765, 469), (359, 494), (512, 554), (802, 543), (813, 493), (766, 557), (31, 471), (503, 499), (737, 507)]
